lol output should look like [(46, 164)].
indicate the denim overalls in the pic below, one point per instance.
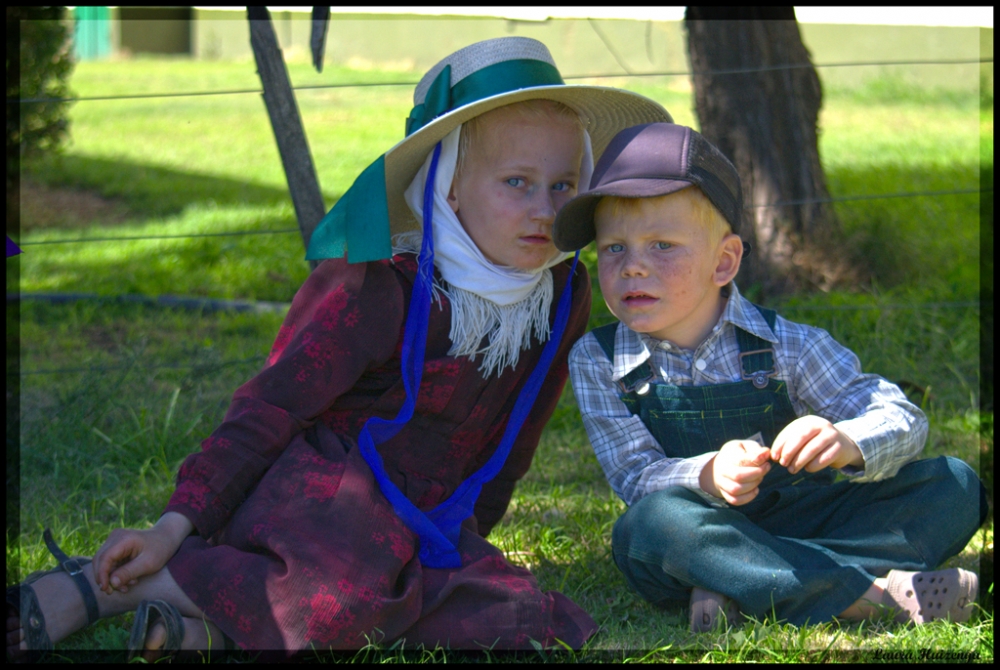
[(805, 548)]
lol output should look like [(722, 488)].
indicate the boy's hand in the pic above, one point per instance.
[(129, 554), (813, 443), (735, 473)]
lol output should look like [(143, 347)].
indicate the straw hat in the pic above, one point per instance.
[(474, 80)]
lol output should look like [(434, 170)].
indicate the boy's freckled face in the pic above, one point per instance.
[(513, 182), (657, 269)]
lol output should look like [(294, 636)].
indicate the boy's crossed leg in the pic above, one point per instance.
[(811, 555)]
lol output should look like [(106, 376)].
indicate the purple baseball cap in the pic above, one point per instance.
[(647, 161)]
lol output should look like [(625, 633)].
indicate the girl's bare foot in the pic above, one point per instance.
[(199, 635)]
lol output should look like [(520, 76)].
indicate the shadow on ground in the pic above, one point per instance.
[(130, 192)]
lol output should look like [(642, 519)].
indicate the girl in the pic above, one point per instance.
[(346, 496)]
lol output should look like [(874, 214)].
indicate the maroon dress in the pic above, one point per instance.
[(295, 546)]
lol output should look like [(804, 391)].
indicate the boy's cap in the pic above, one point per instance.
[(647, 161), (473, 80)]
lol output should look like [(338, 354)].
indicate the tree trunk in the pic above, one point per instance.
[(765, 122), (287, 125)]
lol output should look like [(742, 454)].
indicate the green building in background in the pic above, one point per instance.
[(91, 32)]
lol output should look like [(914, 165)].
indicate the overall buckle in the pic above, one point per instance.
[(639, 387), (760, 377)]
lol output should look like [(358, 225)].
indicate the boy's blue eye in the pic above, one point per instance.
[(663, 245), (515, 181), (616, 248), (562, 186)]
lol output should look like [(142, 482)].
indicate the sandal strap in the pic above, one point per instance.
[(74, 568), (174, 622)]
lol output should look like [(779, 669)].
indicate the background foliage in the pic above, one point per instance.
[(38, 44)]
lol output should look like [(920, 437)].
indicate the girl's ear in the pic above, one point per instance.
[(730, 255), (452, 197)]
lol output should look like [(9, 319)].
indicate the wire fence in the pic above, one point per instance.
[(211, 305), (609, 75), (285, 231)]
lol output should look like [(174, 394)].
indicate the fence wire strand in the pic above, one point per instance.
[(283, 231), (260, 359), (163, 366), (610, 75)]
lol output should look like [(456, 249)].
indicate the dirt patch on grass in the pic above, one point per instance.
[(109, 338), (44, 206)]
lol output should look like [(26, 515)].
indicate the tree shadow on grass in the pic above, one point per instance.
[(143, 191), (98, 194)]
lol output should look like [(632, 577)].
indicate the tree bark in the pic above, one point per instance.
[(287, 125), (765, 122)]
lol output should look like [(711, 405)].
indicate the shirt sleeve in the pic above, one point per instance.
[(889, 430), (633, 462), (344, 320)]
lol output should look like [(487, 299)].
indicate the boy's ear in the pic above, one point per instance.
[(730, 255)]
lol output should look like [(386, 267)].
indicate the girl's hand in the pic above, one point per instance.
[(127, 555), (735, 473), (813, 443)]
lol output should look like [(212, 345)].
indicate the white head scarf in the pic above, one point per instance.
[(506, 304)]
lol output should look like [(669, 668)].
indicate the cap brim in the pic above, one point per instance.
[(574, 225), (605, 111)]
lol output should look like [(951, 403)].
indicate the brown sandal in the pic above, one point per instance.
[(148, 613), (926, 596), (23, 602)]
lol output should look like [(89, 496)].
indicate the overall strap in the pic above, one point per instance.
[(637, 380), (606, 338), (757, 354)]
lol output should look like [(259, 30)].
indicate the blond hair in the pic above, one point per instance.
[(706, 213), (473, 135)]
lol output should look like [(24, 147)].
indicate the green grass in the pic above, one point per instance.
[(99, 450)]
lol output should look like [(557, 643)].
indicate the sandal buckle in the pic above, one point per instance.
[(73, 567)]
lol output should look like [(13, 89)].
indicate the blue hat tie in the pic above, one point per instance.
[(439, 528)]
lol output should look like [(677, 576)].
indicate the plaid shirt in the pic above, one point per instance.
[(823, 378)]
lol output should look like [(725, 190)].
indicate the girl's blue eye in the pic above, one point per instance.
[(515, 181), (562, 186), (616, 248), (663, 245)]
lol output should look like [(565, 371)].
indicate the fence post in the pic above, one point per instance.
[(287, 124)]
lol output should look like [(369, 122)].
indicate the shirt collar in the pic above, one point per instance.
[(632, 349), (741, 313)]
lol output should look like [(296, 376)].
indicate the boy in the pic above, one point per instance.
[(681, 399)]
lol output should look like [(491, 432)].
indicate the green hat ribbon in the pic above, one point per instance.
[(359, 221)]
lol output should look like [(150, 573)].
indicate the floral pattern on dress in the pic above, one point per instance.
[(285, 334), (326, 617), (321, 487)]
